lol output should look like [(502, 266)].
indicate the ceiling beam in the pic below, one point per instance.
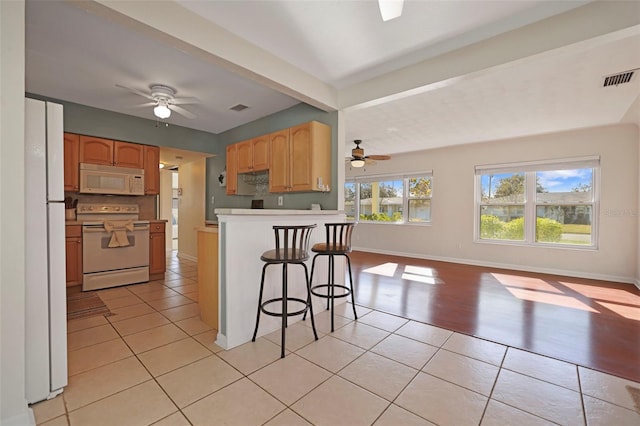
[(595, 22)]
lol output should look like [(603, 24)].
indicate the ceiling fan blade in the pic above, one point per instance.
[(144, 105), (379, 157), (182, 111), (184, 101), (136, 91)]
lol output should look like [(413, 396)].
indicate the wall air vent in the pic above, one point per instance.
[(620, 78), (238, 108)]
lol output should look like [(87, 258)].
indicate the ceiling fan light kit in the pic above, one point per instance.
[(357, 162), (162, 111)]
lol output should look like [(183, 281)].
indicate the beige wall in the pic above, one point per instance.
[(451, 235), (165, 204), (191, 210)]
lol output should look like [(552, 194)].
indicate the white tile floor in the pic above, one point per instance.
[(155, 362)]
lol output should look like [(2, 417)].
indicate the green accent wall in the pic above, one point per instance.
[(101, 123)]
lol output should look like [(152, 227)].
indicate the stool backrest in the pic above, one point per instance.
[(292, 242), (339, 236)]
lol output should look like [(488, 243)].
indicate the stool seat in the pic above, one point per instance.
[(325, 248), (292, 248), (284, 255)]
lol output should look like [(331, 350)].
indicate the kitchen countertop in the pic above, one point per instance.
[(80, 222), (274, 212)]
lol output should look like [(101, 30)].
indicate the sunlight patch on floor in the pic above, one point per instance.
[(387, 269), (420, 274)]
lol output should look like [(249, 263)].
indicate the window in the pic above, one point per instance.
[(390, 199), (538, 202)]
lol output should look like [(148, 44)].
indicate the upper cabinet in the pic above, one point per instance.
[(111, 153), (71, 162), (300, 158), (151, 170), (253, 155), (128, 155), (232, 169)]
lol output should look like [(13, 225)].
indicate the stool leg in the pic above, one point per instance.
[(329, 281), (353, 302), (255, 332), (309, 301), (332, 287), (313, 266), (284, 307)]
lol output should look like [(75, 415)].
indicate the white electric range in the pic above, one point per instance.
[(115, 245)]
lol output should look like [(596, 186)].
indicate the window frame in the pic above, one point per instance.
[(405, 196), (529, 169)]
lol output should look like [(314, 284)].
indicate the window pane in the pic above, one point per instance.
[(564, 224), (420, 210), (350, 200), (564, 186), (502, 188), (381, 201), (502, 222), (419, 187)]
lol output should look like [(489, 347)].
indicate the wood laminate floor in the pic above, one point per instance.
[(591, 323)]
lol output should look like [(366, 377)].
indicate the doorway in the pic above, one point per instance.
[(175, 200)]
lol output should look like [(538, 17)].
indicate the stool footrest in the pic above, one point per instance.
[(347, 290), (279, 300)]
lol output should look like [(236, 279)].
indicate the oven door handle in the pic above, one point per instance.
[(100, 228)]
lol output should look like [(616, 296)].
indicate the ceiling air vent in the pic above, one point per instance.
[(238, 107), (616, 79)]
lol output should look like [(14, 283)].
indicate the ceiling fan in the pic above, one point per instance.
[(163, 100), (358, 159)]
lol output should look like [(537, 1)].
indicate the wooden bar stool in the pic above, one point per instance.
[(338, 243), (292, 247)]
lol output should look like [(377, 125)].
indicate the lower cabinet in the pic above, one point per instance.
[(73, 253), (157, 251)]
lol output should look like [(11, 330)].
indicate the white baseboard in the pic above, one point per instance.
[(23, 419), (524, 268)]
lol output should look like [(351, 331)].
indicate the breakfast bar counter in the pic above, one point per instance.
[(244, 234)]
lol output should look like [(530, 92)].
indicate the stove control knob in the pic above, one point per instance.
[(117, 209)]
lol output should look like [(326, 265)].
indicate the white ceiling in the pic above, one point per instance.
[(78, 53)]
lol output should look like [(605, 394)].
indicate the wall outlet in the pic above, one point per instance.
[(280, 200)]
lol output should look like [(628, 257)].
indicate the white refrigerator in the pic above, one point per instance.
[(46, 302)]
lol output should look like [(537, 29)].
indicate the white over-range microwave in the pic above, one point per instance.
[(99, 179)]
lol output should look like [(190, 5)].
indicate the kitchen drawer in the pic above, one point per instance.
[(73, 231), (156, 227)]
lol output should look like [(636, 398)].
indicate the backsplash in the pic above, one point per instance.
[(146, 203)]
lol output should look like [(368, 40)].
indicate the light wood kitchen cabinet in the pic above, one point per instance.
[(300, 158), (157, 250), (73, 253), (208, 276), (151, 170), (71, 162), (111, 153), (96, 150), (253, 155), (232, 169), (127, 154)]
